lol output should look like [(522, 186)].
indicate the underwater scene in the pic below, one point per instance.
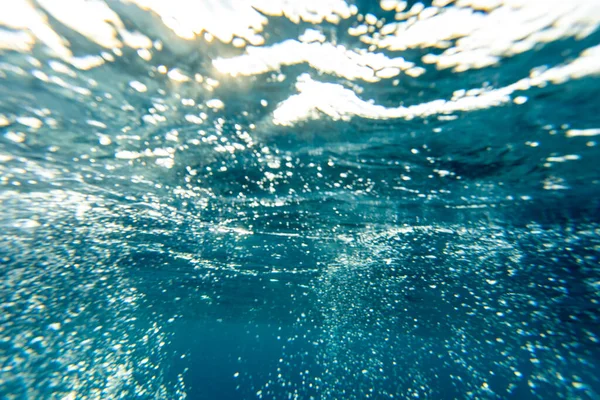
[(299, 199)]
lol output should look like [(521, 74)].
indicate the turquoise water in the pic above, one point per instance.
[(232, 200)]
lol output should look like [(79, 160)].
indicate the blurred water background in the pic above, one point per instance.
[(299, 199)]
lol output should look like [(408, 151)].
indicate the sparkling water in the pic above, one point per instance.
[(281, 199)]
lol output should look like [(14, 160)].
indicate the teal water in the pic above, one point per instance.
[(193, 207)]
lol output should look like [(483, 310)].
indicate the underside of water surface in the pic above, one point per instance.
[(318, 199)]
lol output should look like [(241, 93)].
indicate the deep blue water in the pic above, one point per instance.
[(157, 244)]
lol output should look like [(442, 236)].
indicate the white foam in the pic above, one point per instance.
[(127, 155), (324, 57), (339, 103), (583, 132), (475, 39)]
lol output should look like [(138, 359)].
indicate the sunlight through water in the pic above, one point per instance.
[(318, 199)]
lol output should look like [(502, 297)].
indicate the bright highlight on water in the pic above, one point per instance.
[(317, 199)]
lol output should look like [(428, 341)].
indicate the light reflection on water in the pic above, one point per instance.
[(291, 200)]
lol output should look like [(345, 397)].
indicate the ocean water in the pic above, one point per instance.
[(299, 200)]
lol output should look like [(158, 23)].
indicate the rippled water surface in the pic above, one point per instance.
[(299, 199)]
